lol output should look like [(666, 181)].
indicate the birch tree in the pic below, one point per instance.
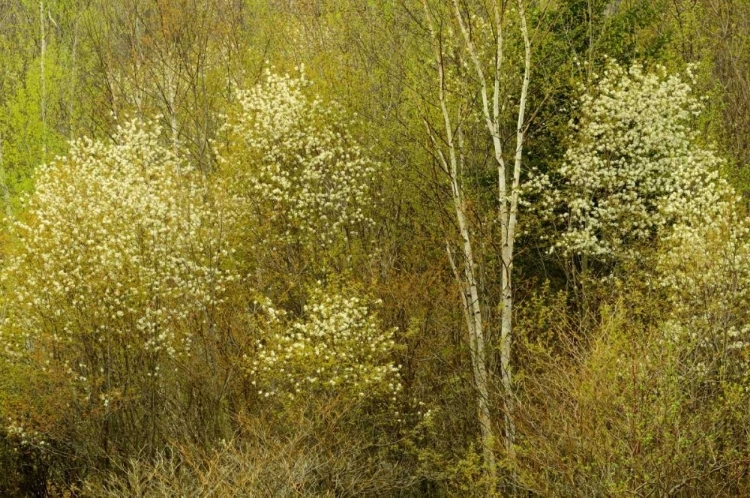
[(486, 73)]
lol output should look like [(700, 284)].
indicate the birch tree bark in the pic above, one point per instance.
[(509, 175)]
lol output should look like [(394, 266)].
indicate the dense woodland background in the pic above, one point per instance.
[(268, 248)]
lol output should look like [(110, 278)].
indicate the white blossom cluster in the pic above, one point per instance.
[(634, 168), (24, 436), (705, 267), (339, 348), (119, 252), (636, 174), (294, 163)]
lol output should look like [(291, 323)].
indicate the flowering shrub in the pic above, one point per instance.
[(705, 268), (635, 175), (294, 164), (119, 270), (340, 347), (635, 167)]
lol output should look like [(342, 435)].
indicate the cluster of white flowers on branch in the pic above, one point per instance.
[(705, 267), (340, 347), (634, 168), (293, 162), (120, 255), (635, 180)]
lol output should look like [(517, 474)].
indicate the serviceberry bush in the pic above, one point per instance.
[(635, 167), (338, 347), (294, 165), (117, 280)]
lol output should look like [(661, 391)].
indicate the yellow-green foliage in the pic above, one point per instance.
[(625, 414), (217, 300), (125, 314)]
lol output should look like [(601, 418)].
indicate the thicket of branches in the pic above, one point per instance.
[(374, 248)]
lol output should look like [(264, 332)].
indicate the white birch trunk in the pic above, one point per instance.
[(508, 197), (467, 281)]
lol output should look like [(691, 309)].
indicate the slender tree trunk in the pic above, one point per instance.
[(453, 164), (509, 178), (508, 227), (508, 195), (473, 312), (506, 336)]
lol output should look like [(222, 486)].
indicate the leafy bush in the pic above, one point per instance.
[(118, 279), (620, 415)]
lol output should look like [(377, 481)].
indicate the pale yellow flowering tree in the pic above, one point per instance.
[(294, 167), (338, 348), (116, 285), (635, 168)]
